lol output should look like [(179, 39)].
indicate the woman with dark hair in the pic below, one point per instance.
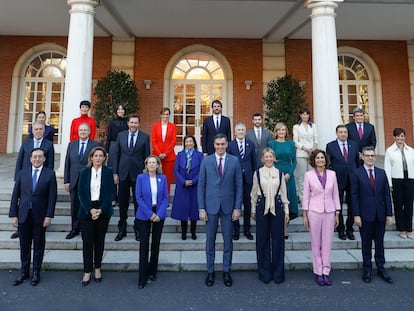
[(306, 140), (163, 139), (152, 197), (321, 208), (187, 169), (285, 152), (399, 167), (49, 130), (95, 192)]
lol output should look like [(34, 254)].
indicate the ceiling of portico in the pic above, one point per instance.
[(271, 20)]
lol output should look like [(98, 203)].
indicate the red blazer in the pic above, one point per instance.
[(167, 146)]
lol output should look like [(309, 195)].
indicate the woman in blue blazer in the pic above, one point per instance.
[(152, 197), (95, 192)]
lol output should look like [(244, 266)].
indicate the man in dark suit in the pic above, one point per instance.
[(131, 149), (361, 132), (372, 210), (76, 159), (344, 157), (217, 123), (23, 158), (244, 150), (259, 136), (219, 196), (32, 207)]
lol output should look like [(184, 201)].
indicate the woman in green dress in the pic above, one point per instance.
[(286, 162)]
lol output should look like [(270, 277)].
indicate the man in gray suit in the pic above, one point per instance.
[(259, 136), (220, 194), (76, 159)]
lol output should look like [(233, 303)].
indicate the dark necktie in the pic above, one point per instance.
[(371, 179), (82, 151), (241, 150), (217, 124), (220, 167), (345, 153), (131, 142), (34, 179)]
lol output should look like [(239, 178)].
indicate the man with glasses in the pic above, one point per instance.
[(372, 210)]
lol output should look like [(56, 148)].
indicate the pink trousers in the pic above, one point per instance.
[(321, 228)]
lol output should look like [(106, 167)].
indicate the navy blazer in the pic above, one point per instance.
[(209, 132), (371, 204), (368, 135), (248, 163), (105, 196), (23, 158), (73, 164), (130, 163), (42, 199), (144, 196), (343, 169), (215, 192)]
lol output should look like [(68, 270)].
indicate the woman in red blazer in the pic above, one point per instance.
[(163, 139), (321, 208)]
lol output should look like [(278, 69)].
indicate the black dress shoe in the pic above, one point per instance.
[(248, 235), (366, 277), (210, 279), (228, 281), (384, 275), (350, 236), (141, 285), (35, 278), (14, 235), (72, 234), (19, 280), (341, 235), (120, 236), (152, 278), (193, 236), (183, 236), (236, 235)]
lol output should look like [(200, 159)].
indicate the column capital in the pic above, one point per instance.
[(93, 3), (317, 3)]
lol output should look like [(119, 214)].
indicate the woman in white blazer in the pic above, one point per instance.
[(321, 213)]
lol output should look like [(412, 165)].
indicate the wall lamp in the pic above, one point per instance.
[(248, 84), (147, 84)]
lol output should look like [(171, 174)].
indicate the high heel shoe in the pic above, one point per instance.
[(98, 279), (86, 283)]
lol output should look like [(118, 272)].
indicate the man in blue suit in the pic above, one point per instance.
[(131, 149), (23, 158), (372, 210), (244, 149), (344, 155), (212, 125), (76, 159), (220, 196), (361, 132), (32, 207)]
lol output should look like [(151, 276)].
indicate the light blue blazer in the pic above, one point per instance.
[(144, 196)]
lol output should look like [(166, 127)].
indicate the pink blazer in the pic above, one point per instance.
[(167, 146), (318, 199)]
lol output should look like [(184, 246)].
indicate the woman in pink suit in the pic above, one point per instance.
[(321, 213), (163, 139)]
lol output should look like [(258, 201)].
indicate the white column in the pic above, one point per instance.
[(78, 82), (326, 107)]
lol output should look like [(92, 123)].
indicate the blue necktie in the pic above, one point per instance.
[(131, 142), (82, 151), (34, 179)]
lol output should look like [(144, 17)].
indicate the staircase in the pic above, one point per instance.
[(175, 254)]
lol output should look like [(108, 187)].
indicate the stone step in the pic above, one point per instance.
[(196, 261)]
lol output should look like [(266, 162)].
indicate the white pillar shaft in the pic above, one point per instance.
[(326, 104), (78, 82)]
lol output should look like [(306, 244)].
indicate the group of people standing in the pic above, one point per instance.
[(269, 177)]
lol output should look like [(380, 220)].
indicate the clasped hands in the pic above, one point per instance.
[(155, 218), (95, 213)]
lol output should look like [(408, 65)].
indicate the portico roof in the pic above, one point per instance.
[(271, 20)]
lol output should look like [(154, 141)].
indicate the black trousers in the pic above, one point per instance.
[(123, 200), (372, 231), (74, 208), (247, 208), (93, 236), (270, 245), (402, 196), (145, 228), (350, 218), (30, 231)]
